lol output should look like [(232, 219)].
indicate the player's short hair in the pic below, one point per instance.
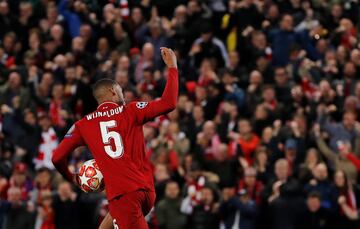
[(102, 84)]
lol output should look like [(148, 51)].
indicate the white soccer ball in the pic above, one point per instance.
[(90, 177)]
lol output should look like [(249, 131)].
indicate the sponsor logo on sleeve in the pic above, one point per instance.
[(141, 105), (70, 132)]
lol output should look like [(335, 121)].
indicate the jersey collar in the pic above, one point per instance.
[(106, 102)]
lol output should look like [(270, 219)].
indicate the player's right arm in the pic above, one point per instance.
[(71, 141), (147, 111)]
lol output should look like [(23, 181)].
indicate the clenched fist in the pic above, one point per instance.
[(169, 57)]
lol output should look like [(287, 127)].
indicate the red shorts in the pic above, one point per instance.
[(129, 210)]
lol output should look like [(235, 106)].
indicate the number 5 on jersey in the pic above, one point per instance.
[(108, 135)]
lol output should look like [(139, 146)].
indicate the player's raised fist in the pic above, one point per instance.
[(169, 57)]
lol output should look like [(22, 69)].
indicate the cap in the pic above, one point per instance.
[(20, 168), (134, 51), (290, 144)]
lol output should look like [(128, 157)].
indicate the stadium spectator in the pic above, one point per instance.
[(208, 140), (282, 197), (348, 200), (20, 179), (205, 213), (262, 165), (238, 210), (321, 184), (66, 207), (306, 168), (246, 142), (320, 217), (344, 131), (168, 210), (340, 161), (20, 214), (252, 187)]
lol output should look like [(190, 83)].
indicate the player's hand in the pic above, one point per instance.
[(169, 57)]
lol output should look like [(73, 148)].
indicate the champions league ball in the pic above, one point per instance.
[(90, 177)]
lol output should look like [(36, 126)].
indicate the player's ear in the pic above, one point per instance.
[(112, 90)]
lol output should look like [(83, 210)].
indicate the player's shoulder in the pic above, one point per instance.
[(72, 129), (82, 120)]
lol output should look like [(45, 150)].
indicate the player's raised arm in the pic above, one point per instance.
[(147, 111), (169, 97), (71, 141)]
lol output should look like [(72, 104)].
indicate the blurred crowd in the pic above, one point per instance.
[(266, 134)]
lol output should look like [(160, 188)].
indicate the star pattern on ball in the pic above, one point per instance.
[(83, 179)]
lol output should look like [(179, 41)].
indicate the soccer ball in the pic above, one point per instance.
[(90, 177)]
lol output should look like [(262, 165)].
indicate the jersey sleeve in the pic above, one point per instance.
[(145, 111), (71, 141)]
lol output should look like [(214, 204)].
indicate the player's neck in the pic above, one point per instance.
[(106, 101)]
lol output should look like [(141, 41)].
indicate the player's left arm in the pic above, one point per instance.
[(145, 111), (71, 141)]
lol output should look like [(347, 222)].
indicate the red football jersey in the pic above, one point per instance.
[(114, 135)]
